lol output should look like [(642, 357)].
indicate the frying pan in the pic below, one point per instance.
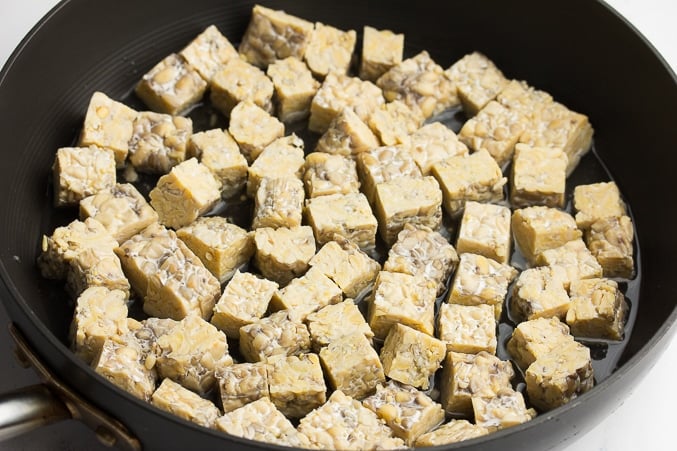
[(579, 51)]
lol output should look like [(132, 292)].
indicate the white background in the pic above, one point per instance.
[(646, 420)]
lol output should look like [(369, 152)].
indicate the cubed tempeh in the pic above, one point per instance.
[(253, 128), (597, 201), (283, 157), (610, 240), (184, 403), (273, 335), (485, 230), (306, 294), (208, 51), (535, 338), (278, 202), (598, 309), (381, 50), (326, 174), (575, 258), (540, 293), (385, 164), (347, 135), (79, 172), (295, 88), (538, 176), (158, 142), (296, 384), (238, 81), (467, 328), (241, 384), (330, 50), (394, 122), (452, 432), (539, 228), (335, 321), (478, 81), (433, 143), (283, 253)]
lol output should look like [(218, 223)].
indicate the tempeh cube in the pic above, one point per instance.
[(158, 142), (278, 203), (559, 376), (223, 247), (432, 143), (420, 250), (410, 356), (468, 375), (575, 258), (407, 411), (474, 177), (610, 241), (347, 216), (485, 230), (94, 267), (344, 423), (263, 422), (384, 164), (306, 294), (283, 254), (79, 172), (339, 91), (187, 192), (421, 84), (327, 174), (539, 228), (190, 352), (208, 51), (394, 122), (241, 383), (283, 157), (295, 88), (519, 96), (352, 365), (535, 338), (540, 293), (467, 328), (273, 335), (122, 210), (217, 150), (272, 35), (381, 50), (99, 314), (597, 201), (244, 301), (253, 129), (480, 280), (407, 201), (401, 299), (598, 309), (452, 432), (506, 408), (538, 176), (347, 135), (171, 86), (296, 384), (478, 81), (238, 81), (184, 403), (109, 125), (335, 321), (330, 50), (495, 129)]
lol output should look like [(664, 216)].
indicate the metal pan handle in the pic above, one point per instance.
[(29, 408)]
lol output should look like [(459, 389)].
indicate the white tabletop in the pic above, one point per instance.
[(644, 421)]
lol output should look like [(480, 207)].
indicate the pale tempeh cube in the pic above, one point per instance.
[(330, 50), (335, 321), (94, 267), (158, 142), (187, 192), (190, 352), (273, 335), (99, 314), (433, 143), (296, 384), (244, 301), (467, 328), (535, 338), (575, 258), (172, 86), (347, 135), (407, 411), (217, 150), (295, 88), (306, 294), (238, 81), (381, 50), (208, 51), (339, 91), (524, 99), (421, 84), (108, 124), (540, 293), (538, 176), (272, 35), (344, 423), (393, 122), (505, 409), (537, 229), (610, 240), (223, 247), (410, 356), (278, 203), (241, 384), (345, 215), (474, 177), (384, 164), (452, 432), (122, 210), (326, 174), (184, 403), (79, 172), (401, 299), (253, 129), (283, 157), (598, 309), (352, 365), (283, 254), (478, 81), (485, 230), (597, 201)]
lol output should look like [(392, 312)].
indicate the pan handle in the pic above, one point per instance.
[(29, 408)]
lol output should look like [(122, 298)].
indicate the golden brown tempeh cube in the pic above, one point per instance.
[(79, 172), (478, 81), (537, 229), (384, 164), (241, 383), (381, 50), (540, 293), (208, 51), (184, 403), (295, 88), (278, 203), (347, 135), (598, 309), (538, 176), (158, 142), (253, 139), (273, 335), (330, 50), (610, 240), (306, 294), (283, 157), (238, 81), (535, 338), (433, 143), (283, 254), (485, 230), (597, 201), (467, 328), (327, 174), (296, 384), (335, 321)]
